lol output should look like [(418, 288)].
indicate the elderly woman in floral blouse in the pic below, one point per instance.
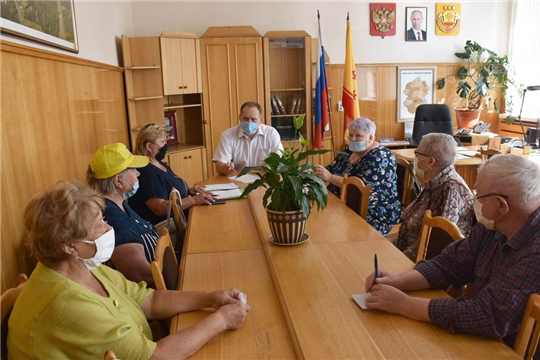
[(374, 164), (445, 192)]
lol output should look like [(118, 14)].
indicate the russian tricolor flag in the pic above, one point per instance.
[(321, 95)]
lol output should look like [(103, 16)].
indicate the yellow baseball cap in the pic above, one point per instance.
[(112, 159)]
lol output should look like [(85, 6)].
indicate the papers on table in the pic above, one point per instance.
[(224, 191), (360, 299), (247, 179), (465, 154)]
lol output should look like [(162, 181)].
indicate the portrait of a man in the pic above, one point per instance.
[(416, 24)]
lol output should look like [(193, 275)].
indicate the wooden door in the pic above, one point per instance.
[(232, 74), (179, 66)]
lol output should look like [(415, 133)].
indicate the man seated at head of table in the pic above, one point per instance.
[(445, 192), (375, 165), (75, 308), (500, 259), (247, 144)]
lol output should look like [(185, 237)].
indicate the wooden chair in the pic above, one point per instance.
[(6, 303), (404, 182), (355, 194), (438, 231), (179, 221), (486, 154), (165, 266), (529, 332)]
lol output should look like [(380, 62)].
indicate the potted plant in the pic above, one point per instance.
[(292, 189), (485, 73)]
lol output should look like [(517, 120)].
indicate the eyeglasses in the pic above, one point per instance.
[(475, 197), (416, 153)]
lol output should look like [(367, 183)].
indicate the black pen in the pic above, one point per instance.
[(376, 267)]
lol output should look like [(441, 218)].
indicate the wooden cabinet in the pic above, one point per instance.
[(232, 73), (180, 63), (189, 165), (514, 130), (287, 80), (142, 74)]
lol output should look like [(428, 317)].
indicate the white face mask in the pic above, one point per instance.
[(104, 250), (419, 172), (488, 223)]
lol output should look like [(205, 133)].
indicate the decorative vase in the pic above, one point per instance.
[(467, 118), (288, 227)]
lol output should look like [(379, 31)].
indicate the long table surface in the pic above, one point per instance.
[(301, 295)]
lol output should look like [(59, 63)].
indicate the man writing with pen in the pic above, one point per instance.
[(247, 144), (500, 260)]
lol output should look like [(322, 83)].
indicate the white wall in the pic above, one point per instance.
[(486, 22), (100, 25)]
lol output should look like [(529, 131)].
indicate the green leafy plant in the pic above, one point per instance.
[(484, 73), (289, 178)]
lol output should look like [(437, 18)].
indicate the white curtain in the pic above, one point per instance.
[(524, 54)]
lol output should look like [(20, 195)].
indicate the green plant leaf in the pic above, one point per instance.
[(441, 83)]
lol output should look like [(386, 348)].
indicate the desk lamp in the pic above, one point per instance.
[(529, 88)]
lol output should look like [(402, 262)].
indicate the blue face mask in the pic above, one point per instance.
[(249, 127), (357, 145), (132, 192)]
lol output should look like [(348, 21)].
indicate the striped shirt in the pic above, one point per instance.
[(503, 273)]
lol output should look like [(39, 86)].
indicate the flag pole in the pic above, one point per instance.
[(328, 103)]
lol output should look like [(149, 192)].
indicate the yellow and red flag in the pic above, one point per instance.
[(350, 102)]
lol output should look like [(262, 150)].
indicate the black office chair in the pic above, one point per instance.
[(431, 118)]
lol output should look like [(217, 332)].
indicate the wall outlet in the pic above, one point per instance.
[(339, 106)]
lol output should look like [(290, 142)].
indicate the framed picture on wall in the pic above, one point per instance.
[(416, 86), (170, 122), (416, 24), (49, 22)]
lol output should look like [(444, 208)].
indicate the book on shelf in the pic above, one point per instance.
[(274, 107), (293, 104), (299, 105), (280, 106)]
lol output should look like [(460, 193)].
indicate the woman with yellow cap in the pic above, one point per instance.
[(113, 173)]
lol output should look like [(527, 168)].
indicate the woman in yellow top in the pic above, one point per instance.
[(73, 308)]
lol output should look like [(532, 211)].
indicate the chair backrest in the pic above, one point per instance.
[(486, 154), (431, 118), (179, 221), (529, 332), (355, 194), (404, 182), (165, 266), (6, 303), (436, 233)]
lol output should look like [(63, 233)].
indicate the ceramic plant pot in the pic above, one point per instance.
[(287, 228)]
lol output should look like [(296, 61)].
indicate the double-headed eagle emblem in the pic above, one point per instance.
[(383, 18)]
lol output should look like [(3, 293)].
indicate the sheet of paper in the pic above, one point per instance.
[(227, 194), (469, 153), (360, 299), (248, 179), (462, 148), (228, 186)]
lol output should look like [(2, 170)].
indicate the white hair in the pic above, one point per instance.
[(364, 125), (514, 176), (441, 146)]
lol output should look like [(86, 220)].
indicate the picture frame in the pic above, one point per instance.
[(170, 122), (415, 86), (416, 24), (36, 16)]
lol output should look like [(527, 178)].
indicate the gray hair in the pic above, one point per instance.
[(514, 176), (104, 186), (442, 147), (365, 125)]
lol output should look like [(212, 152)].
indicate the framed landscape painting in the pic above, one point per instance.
[(50, 22)]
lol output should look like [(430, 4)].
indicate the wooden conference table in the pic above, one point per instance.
[(300, 296), (467, 168)]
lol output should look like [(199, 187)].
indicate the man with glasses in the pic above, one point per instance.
[(445, 192), (500, 259)]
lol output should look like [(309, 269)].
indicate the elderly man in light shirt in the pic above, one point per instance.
[(247, 144)]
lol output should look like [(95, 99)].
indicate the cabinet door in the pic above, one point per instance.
[(179, 66), (188, 165), (231, 74)]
